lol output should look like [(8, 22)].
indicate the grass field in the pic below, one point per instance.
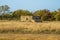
[(30, 25), (29, 37)]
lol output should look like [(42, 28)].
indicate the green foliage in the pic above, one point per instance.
[(18, 13), (57, 16), (45, 14), (4, 9), (47, 17)]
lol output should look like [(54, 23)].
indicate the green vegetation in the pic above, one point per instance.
[(45, 14)]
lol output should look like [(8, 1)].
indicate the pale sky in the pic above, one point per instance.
[(31, 5)]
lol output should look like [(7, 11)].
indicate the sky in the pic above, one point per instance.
[(31, 5)]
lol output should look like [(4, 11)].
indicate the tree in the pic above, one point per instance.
[(4, 8), (3, 12), (54, 15), (47, 17), (58, 10), (0, 9), (18, 13), (44, 14), (57, 16)]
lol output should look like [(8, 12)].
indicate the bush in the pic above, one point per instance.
[(57, 16)]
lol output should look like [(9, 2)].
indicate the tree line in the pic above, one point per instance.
[(44, 14)]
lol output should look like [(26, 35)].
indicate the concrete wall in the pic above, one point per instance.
[(26, 18)]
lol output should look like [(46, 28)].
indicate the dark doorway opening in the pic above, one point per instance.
[(26, 18)]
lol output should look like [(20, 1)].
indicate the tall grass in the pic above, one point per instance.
[(30, 31)]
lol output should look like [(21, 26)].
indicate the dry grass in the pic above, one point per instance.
[(32, 25), (29, 37)]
